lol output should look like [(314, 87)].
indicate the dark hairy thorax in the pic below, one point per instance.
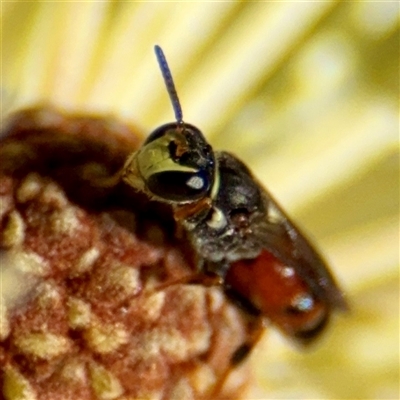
[(238, 206)]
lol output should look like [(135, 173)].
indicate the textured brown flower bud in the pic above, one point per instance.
[(82, 315)]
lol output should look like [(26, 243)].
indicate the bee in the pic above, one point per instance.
[(242, 238)]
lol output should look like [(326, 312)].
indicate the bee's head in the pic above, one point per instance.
[(175, 164)]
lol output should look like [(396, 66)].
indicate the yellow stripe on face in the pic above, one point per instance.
[(155, 157)]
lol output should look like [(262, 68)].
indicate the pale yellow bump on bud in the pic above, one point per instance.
[(202, 378), (193, 294), (152, 283), (4, 321), (29, 188), (5, 206), (151, 342), (125, 278), (152, 305), (173, 344), (65, 221), (52, 194), (199, 341), (216, 299), (74, 371), (43, 345), (105, 338), (14, 284), (79, 313), (14, 231), (28, 262), (182, 390), (16, 386), (104, 383), (86, 262), (48, 295), (230, 316)]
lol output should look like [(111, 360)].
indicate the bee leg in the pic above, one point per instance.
[(255, 331), (192, 279), (204, 275), (106, 182)]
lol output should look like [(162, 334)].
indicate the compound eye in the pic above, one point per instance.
[(178, 186), (177, 164)]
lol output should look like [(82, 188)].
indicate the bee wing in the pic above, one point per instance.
[(285, 241)]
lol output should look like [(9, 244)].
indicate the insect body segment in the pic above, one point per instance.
[(290, 303), (229, 232), (236, 228)]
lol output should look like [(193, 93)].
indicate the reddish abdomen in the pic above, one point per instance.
[(279, 293)]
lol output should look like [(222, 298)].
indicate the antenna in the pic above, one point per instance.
[(169, 83)]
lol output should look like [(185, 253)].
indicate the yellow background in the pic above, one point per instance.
[(306, 93)]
